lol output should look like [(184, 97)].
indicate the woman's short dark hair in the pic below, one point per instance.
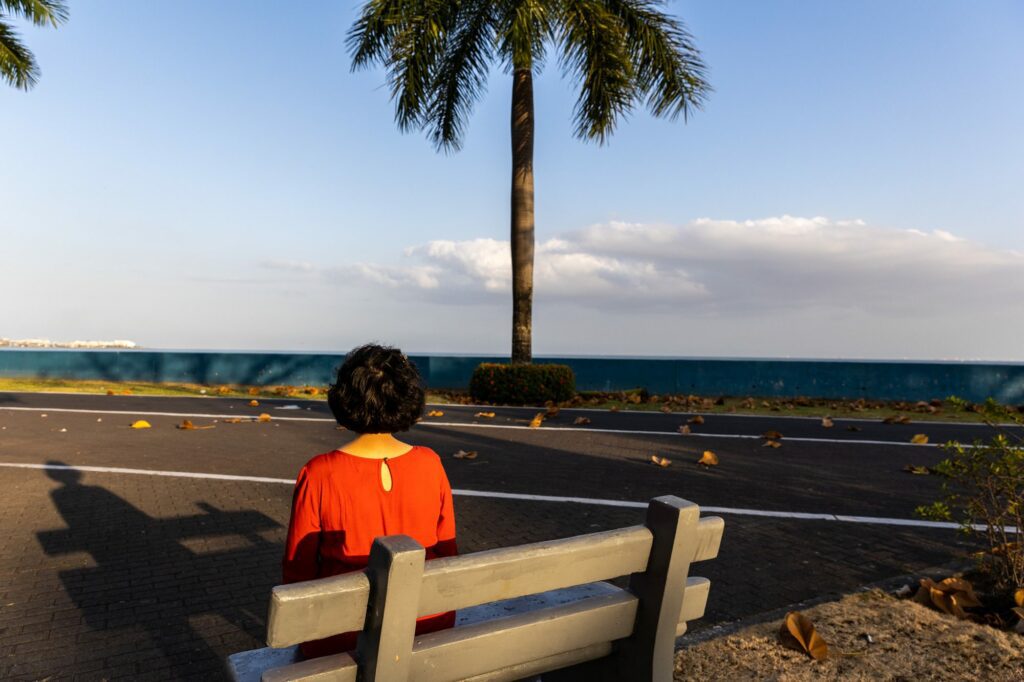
[(378, 390)]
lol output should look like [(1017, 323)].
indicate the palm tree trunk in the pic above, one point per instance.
[(522, 215)]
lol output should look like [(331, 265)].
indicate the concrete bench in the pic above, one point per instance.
[(523, 610)]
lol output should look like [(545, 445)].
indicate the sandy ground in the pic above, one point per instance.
[(910, 642)]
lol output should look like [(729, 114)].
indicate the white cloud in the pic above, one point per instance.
[(725, 267)]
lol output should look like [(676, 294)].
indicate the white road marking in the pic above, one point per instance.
[(876, 520), (629, 432)]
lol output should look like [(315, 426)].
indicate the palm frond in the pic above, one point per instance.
[(461, 76), (39, 12), (408, 37), (595, 50), (17, 65), (523, 28), (669, 70), (370, 37)]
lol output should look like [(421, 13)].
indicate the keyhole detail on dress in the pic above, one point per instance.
[(385, 475)]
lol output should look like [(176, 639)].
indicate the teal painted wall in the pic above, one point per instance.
[(889, 380)]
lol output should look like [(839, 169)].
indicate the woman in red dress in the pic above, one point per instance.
[(374, 485)]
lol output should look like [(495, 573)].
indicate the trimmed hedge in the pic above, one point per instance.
[(521, 384)]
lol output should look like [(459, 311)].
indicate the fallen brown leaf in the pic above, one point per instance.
[(254, 403), (826, 422), (769, 443), (950, 596), (919, 439), (696, 419), (435, 413), (798, 628), (708, 459), (660, 461), (484, 415), (263, 417), (772, 435), (464, 454), (187, 425), (685, 429), (552, 411), (232, 420), (581, 421), (537, 420)]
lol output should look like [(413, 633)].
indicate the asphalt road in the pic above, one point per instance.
[(63, 537)]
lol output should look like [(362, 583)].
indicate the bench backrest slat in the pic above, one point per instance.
[(317, 608), (459, 582), (473, 650)]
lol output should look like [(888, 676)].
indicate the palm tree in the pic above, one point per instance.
[(439, 53), (17, 65)]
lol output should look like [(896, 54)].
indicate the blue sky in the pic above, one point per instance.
[(212, 175)]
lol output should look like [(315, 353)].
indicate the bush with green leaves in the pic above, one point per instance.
[(522, 384), (984, 492)]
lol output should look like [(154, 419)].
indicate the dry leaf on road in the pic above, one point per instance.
[(263, 417), (484, 415), (827, 422), (537, 420), (685, 429), (254, 403), (798, 628), (140, 424), (769, 443), (919, 439), (464, 454), (696, 419), (708, 459), (660, 461), (435, 413), (187, 425), (581, 421)]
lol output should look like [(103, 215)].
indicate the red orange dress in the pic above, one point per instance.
[(340, 506)]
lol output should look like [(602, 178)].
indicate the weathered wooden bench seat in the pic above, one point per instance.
[(522, 610)]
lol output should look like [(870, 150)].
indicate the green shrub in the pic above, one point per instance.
[(521, 384), (984, 492)]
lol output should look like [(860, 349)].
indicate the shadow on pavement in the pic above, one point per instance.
[(146, 582)]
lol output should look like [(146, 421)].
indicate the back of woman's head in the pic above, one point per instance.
[(378, 390)]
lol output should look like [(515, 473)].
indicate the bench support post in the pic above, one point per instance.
[(395, 572), (649, 653)]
